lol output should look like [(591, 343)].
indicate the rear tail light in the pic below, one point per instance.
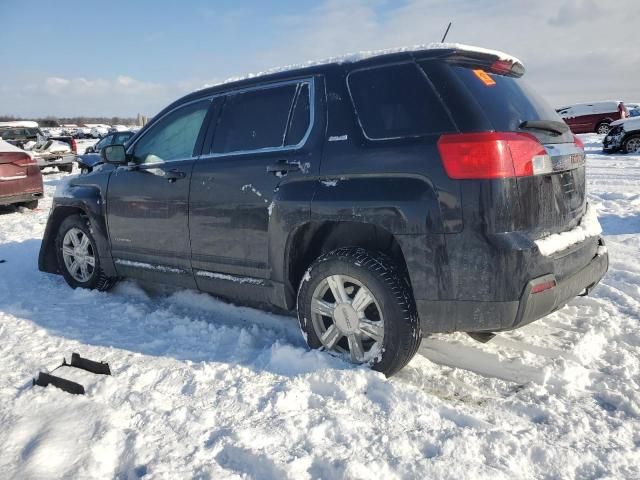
[(578, 143), (74, 145), (17, 158), (492, 155)]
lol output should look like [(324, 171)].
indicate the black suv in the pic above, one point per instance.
[(383, 198)]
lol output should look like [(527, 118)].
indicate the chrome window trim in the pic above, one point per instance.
[(284, 148)]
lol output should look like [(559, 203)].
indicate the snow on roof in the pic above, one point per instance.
[(20, 123), (364, 55)]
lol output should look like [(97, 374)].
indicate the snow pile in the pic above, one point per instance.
[(204, 389), (589, 227)]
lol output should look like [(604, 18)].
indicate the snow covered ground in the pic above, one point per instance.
[(202, 389)]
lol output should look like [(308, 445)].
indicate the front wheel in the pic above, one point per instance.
[(77, 254), (632, 144), (359, 303)]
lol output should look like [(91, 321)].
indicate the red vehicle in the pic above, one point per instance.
[(20, 177), (593, 117)]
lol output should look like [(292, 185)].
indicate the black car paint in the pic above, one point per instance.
[(468, 246), (614, 140)]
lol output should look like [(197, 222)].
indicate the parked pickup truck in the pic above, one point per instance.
[(47, 151)]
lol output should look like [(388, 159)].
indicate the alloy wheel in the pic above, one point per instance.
[(79, 257), (347, 318)]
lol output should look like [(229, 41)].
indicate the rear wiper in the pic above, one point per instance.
[(547, 125)]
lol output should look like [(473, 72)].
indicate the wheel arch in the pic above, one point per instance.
[(47, 259), (313, 239)]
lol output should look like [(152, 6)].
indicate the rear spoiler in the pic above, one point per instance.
[(486, 60)]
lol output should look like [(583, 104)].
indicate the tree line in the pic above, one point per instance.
[(52, 121)]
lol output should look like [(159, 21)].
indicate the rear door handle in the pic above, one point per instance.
[(283, 167), (173, 175)]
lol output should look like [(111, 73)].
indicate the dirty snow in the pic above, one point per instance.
[(203, 389), (589, 227)]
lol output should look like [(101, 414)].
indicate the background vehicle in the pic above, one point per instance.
[(92, 157), (624, 135), (20, 135), (592, 117), (99, 131), (20, 177), (329, 190)]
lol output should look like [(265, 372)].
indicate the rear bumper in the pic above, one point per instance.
[(54, 161), (493, 316), (19, 198)]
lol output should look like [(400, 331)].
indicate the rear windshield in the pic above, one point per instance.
[(506, 102)]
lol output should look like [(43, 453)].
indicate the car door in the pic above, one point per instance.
[(261, 145), (147, 200)]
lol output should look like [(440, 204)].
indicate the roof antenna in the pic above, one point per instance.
[(445, 33)]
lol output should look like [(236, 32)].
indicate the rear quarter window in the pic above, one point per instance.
[(396, 101)]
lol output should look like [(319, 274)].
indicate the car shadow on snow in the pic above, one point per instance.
[(618, 225), (154, 320)]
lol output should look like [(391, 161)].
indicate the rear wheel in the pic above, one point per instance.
[(603, 128), (77, 254), (632, 144), (66, 168), (359, 304)]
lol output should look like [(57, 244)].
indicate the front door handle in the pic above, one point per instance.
[(173, 175), (283, 167)]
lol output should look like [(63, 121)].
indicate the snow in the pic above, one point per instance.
[(230, 278), (7, 147), (589, 227), (204, 389), (364, 55), (628, 124)]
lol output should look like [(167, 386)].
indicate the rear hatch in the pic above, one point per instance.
[(551, 198)]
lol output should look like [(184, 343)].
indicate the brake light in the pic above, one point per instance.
[(577, 142), (74, 145), (492, 155), (501, 67)]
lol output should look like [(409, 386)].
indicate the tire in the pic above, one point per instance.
[(96, 279), (603, 128), (391, 310), (66, 168), (632, 144), (32, 205)]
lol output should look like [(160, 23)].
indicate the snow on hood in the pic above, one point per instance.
[(366, 54), (628, 124)]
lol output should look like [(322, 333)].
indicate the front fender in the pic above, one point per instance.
[(82, 195)]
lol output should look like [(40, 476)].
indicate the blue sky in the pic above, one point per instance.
[(122, 57)]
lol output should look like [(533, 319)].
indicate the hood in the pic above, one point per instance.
[(628, 124)]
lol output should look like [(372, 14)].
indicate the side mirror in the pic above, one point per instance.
[(115, 154)]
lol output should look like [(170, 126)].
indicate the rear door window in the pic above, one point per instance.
[(254, 120), (396, 101), (300, 116)]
